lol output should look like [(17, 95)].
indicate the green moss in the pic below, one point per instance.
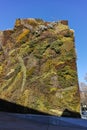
[(68, 45), (33, 43), (53, 89), (40, 49), (1, 68), (30, 72), (1, 52), (67, 55), (67, 76), (66, 39), (61, 27), (57, 46), (25, 50), (47, 66), (49, 54), (40, 104), (71, 54), (67, 99)]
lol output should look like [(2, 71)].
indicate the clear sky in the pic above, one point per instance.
[(75, 11)]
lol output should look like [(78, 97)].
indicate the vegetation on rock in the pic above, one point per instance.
[(38, 66)]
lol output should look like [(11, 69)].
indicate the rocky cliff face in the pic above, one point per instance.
[(38, 66)]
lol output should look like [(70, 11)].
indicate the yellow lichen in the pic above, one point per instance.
[(1, 68), (18, 22), (22, 35), (32, 22), (61, 27)]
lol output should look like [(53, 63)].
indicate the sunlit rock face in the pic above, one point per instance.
[(38, 66)]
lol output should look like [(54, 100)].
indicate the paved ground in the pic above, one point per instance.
[(30, 122)]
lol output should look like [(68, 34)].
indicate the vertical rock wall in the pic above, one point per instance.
[(38, 67)]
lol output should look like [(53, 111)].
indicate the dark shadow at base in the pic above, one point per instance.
[(6, 106), (68, 113)]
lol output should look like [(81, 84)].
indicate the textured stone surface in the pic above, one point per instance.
[(38, 66)]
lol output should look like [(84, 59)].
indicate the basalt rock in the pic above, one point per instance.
[(38, 66)]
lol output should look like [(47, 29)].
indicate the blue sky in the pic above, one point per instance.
[(75, 11)]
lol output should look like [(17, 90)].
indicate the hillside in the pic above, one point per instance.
[(38, 66)]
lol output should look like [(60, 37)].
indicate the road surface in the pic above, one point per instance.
[(10, 121)]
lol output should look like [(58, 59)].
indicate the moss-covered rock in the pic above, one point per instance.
[(38, 66)]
